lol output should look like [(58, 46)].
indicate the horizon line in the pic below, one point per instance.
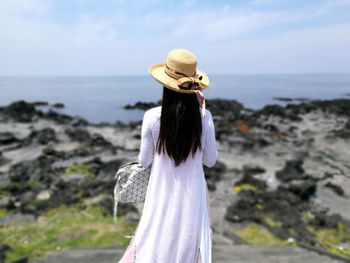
[(144, 75)]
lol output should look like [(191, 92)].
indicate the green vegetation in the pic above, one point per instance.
[(65, 227), (269, 221), (245, 187), (257, 235), (331, 239), (32, 184), (4, 193), (81, 168), (3, 213)]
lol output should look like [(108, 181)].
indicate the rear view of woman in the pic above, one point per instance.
[(177, 139)]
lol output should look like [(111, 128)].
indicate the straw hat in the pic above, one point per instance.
[(179, 72)]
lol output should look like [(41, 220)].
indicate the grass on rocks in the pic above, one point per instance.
[(64, 227), (245, 187), (254, 234), (333, 239), (81, 168), (4, 193)]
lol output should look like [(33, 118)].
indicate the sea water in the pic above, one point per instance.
[(101, 99)]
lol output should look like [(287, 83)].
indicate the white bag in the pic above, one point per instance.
[(131, 185)]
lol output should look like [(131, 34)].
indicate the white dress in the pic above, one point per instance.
[(175, 224)]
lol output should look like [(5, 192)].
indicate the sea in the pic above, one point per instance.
[(101, 99)]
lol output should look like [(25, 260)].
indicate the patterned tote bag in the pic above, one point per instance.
[(131, 185)]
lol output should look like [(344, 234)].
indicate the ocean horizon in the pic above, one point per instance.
[(102, 98)]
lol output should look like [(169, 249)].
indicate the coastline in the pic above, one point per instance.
[(101, 99), (283, 171)]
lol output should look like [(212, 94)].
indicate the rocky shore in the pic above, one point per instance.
[(283, 175)]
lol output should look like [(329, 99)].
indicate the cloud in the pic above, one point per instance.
[(222, 24), (24, 7), (226, 38), (263, 2), (315, 50)]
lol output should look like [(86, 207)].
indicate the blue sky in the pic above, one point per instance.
[(120, 37)]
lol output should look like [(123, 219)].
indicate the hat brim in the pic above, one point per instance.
[(158, 73)]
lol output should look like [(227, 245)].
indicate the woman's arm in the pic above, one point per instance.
[(210, 153), (146, 154)]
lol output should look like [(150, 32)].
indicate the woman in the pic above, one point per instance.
[(176, 139)]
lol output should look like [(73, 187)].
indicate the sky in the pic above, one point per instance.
[(120, 37)]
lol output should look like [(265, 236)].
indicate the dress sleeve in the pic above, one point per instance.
[(146, 154), (210, 153)]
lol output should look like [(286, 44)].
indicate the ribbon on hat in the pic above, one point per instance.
[(201, 101), (189, 83), (195, 84)]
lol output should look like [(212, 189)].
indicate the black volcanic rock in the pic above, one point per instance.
[(40, 103), (142, 105), (3, 160), (58, 117), (214, 174), (4, 248), (78, 134), (283, 99), (222, 108), (293, 170), (248, 177), (43, 136), (244, 209), (340, 107), (78, 122), (20, 111), (249, 170), (304, 189), (39, 170), (97, 140), (343, 133), (83, 136), (226, 109), (283, 205), (336, 188), (7, 138), (58, 105), (277, 110)]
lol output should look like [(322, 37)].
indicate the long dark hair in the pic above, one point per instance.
[(180, 125)]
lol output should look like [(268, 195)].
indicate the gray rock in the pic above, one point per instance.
[(72, 178), (27, 197), (43, 196), (104, 201), (7, 138), (6, 202), (17, 218), (5, 182), (221, 254)]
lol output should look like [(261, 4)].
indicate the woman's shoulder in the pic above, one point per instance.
[(155, 111), (153, 114), (207, 120)]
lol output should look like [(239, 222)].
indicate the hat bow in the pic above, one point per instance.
[(191, 83)]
